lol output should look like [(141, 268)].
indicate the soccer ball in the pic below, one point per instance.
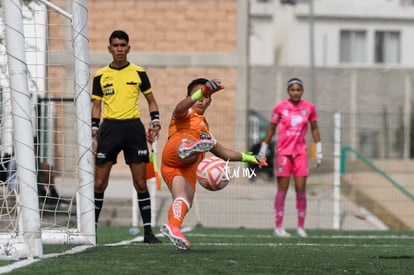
[(212, 173)]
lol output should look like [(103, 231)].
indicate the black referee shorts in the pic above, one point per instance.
[(128, 136)]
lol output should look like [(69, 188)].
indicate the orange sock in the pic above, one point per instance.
[(177, 211)]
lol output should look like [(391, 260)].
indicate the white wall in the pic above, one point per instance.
[(291, 29), (261, 41), (261, 38)]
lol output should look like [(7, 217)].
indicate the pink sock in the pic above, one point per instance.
[(301, 208), (279, 207)]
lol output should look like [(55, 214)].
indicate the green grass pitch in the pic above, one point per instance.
[(234, 251)]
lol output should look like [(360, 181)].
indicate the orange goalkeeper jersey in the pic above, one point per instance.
[(194, 124)]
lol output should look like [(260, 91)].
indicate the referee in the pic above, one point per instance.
[(118, 86)]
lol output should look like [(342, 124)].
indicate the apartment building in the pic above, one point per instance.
[(332, 32)]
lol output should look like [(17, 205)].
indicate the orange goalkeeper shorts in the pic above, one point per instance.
[(172, 165)]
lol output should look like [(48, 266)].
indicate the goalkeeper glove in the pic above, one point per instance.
[(318, 154), (255, 159), (211, 87)]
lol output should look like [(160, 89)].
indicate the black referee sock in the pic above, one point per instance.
[(144, 203), (99, 197)]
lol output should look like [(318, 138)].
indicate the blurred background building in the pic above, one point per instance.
[(345, 32)]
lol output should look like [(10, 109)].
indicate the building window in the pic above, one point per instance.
[(353, 46), (387, 47)]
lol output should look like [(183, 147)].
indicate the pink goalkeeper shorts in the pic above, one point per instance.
[(287, 165)]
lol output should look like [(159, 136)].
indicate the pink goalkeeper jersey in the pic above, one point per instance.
[(292, 121)]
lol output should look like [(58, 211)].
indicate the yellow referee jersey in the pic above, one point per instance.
[(119, 89)]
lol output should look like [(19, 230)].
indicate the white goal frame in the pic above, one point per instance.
[(27, 238)]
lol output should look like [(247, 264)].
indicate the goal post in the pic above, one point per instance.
[(29, 235), (85, 161), (47, 130)]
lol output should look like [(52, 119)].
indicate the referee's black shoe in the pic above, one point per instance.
[(150, 238)]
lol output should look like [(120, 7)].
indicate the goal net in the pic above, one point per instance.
[(46, 162)]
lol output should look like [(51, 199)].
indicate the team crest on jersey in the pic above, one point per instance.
[(304, 112), (285, 112)]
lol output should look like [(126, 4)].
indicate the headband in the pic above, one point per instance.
[(295, 81)]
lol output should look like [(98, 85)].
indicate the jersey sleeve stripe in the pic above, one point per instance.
[(97, 89), (145, 83)]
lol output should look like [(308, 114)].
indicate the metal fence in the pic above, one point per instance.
[(375, 183)]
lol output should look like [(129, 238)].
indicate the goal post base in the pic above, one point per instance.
[(14, 247), (67, 237)]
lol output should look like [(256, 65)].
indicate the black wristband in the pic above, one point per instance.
[(95, 123), (155, 116)]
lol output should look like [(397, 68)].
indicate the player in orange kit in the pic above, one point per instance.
[(189, 138)]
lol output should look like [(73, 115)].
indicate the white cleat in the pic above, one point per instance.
[(187, 149), (301, 232), (281, 232)]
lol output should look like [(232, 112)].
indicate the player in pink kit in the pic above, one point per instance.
[(293, 116)]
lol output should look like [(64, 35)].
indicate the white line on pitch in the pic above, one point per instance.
[(298, 244), (310, 237), (140, 238), (26, 262), (77, 249)]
